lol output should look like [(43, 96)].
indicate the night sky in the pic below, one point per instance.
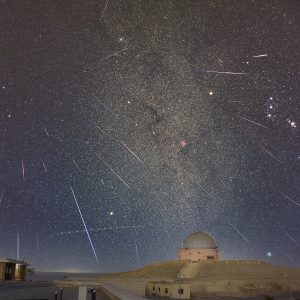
[(127, 125)]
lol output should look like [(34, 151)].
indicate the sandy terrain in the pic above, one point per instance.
[(214, 278)]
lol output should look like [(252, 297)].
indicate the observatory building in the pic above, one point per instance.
[(198, 246)]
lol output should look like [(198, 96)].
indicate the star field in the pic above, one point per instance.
[(127, 125)]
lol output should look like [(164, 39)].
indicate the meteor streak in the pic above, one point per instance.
[(258, 124), (287, 197), (44, 166), (125, 203), (37, 244), (152, 103), (261, 55), (86, 230), (239, 232), (131, 151), (75, 164), (1, 197), (120, 178), (23, 169), (137, 252), (46, 131), (270, 154), (35, 202), (291, 238), (226, 72), (202, 188), (103, 10), (113, 54), (101, 130), (226, 186)]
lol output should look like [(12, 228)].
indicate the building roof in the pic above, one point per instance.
[(161, 282), (176, 282), (199, 240), (12, 261)]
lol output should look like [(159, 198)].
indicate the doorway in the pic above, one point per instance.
[(9, 271)]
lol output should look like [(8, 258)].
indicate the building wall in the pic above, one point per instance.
[(198, 254), (2, 271), (174, 291), (168, 290), (163, 290), (20, 272), (151, 289)]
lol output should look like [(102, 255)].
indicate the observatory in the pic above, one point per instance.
[(198, 246)]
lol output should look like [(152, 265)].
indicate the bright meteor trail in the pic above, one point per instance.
[(131, 152), (45, 168), (239, 232), (23, 169), (119, 177), (261, 55), (1, 197), (226, 72), (86, 230)]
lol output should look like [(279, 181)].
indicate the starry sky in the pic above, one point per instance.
[(127, 125)]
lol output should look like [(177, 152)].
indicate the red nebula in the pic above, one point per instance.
[(183, 143)]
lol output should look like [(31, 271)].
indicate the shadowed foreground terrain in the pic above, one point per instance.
[(43, 290), (34, 290)]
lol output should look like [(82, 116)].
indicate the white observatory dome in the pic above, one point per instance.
[(199, 240)]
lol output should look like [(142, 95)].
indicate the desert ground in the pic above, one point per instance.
[(133, 281), (237, 279), (208, 280)]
